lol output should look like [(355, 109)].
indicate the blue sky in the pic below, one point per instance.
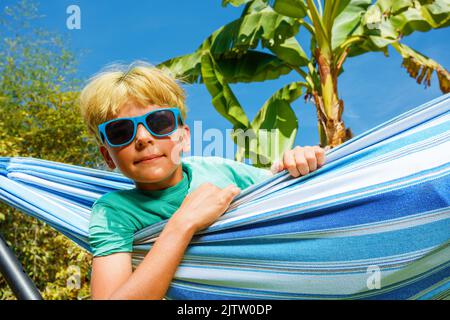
[(374, 88)]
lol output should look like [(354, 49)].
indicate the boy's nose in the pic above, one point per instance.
[(143, 136)]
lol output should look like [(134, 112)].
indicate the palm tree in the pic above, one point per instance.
[(262, 45)]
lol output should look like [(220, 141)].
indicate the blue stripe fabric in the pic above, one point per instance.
[(373, 223)]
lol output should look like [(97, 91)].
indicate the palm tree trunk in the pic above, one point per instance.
[(332, 131)]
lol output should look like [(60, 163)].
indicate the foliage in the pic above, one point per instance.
[(39, 118), (262, 45)]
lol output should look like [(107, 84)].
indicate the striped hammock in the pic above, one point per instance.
[(373, 223)]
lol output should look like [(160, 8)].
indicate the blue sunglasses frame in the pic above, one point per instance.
[(136, 121)]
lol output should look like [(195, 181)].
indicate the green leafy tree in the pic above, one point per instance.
[(39, 118), (261, 45)]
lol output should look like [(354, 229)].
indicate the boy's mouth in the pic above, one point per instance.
[(148, 158)]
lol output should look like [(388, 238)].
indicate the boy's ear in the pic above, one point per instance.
[(185, 139), (107, 157)]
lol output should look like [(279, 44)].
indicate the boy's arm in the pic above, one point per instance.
[(112, 277)]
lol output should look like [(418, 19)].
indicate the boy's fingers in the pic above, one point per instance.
[(289, 163), (276, 167), (320, 155), (231, 191), (310, 156), (300, 161)]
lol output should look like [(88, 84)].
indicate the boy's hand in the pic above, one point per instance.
[(204, 205), (300, 160)]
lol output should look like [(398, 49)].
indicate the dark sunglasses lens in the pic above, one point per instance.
[(161, 122), (120, 131)]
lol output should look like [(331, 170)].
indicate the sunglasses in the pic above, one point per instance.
[(120, 132)]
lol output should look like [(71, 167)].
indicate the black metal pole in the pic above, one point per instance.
[(17, 279)]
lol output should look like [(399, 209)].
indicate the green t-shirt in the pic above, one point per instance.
[(117, 215)]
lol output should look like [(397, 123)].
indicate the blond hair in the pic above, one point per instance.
[(107, 91)]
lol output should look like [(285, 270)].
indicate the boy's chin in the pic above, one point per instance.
[(154, 174)]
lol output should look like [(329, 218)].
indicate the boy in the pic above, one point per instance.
[(137, 116)]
